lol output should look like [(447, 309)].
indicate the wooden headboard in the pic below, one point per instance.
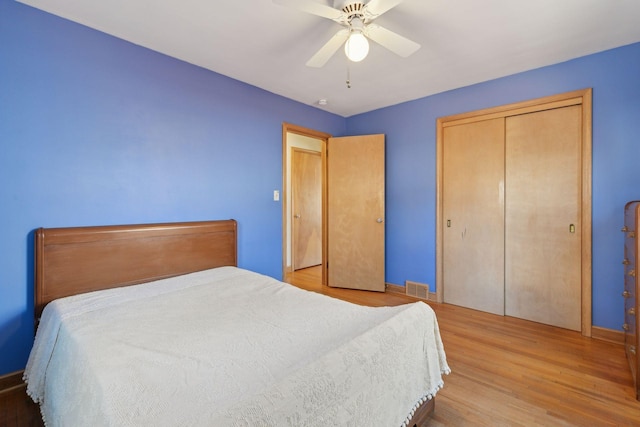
[(75, 260)]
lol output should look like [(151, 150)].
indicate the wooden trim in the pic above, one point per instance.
[(538, 104), (283, 197), (439, 209), (514, 112), (587, 154), (291, 128), (579, 97), (325, 212), (394, 289), (324, 138), (609, 335), (11, 381)]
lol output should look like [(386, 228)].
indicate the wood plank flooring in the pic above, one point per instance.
[(506, 371), (512, 372)]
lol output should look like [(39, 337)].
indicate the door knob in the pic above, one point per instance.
[(379, 220), (296, 216)]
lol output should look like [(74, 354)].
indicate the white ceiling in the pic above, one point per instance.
[(267, 45)]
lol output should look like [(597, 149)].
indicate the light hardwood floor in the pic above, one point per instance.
[(512, 372)]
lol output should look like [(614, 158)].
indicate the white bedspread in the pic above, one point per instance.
[(228, 347)]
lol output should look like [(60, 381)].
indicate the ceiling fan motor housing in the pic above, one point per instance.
[(354, 10)]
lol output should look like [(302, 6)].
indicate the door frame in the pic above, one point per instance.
[(579, 97), (287, 227)]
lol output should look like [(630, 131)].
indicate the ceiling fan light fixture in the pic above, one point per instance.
[(356, 17), (357, 46)]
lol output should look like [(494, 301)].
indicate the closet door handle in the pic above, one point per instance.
[(572, 228)]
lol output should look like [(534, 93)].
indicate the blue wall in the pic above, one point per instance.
[(94, 130), (410, 132)]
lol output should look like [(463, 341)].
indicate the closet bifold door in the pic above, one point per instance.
[(542, 216), (473, 212)]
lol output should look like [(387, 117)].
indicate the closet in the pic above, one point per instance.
[(514, 213)]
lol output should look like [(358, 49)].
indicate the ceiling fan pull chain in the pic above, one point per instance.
[(348, 76)]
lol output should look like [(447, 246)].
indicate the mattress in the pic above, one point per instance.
[(230, 347)]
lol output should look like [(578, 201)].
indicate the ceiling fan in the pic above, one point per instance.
[(357, 18)]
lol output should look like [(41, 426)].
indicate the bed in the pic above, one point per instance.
[(156, 325)]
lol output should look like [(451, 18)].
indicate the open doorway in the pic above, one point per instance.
[(304, 205), (352, 208)]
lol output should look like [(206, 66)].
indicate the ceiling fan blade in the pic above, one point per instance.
[(396, 43), (313, 8), (326, 52), (375, 8)]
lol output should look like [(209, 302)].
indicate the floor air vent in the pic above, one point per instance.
[(417, 290)]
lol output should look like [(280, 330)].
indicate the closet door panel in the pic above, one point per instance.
[(542, 217), (473, 212)]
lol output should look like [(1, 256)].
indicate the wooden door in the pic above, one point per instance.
[(355, 179), (473, 213), (306, 183), (543, 219)]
